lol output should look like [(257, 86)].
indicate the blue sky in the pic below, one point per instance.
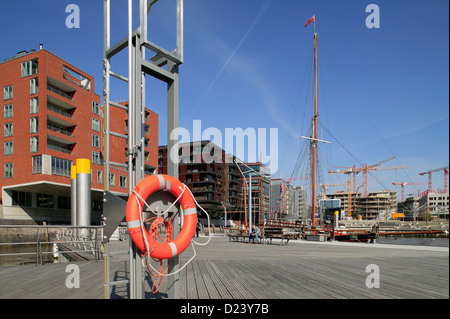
[(382, 92)]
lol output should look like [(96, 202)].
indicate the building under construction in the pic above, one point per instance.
[(375, 205)]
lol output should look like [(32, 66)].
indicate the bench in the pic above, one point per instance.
[(277, 232)]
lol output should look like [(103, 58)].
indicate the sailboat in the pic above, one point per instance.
[(337, 234)]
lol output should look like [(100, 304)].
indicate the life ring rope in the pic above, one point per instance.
[(157, 223)]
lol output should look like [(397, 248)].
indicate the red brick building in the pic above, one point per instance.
[(50, 117)]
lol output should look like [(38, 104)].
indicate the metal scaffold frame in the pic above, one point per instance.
[(163, 65)]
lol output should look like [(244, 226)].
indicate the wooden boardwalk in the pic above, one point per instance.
[(234, 270)]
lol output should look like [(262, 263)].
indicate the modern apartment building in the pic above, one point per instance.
[(210, 174), (287, 202), (51, 117), (260, 186)]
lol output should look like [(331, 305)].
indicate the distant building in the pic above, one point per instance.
[(370, 207), (212, 178), (287, 202), (51, 117), (434, 205), (260, 191), (410, 208), (344, 200)]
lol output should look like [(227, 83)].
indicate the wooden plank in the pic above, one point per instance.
[(227, 270)]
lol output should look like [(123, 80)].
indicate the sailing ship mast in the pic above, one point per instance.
[(314, 141)]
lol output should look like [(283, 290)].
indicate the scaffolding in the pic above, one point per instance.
[(164, 66)]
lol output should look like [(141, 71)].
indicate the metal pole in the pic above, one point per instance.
[(172, 167), (83, 178), (250, 202), (73, 195)]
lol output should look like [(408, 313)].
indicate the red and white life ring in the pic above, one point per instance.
[(145, 188)]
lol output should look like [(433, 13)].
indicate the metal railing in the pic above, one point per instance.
[(83, 241), (59, 92)]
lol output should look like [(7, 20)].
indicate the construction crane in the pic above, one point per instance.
[(349, 188), (403, 187), (375, 167), (326, 185), (445, 169)]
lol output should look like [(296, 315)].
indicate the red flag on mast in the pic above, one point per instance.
[(313, 19)]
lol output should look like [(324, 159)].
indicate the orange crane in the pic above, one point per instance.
[(325, 185), (349, 188), (445, 169), (375, 167), (403, 187)]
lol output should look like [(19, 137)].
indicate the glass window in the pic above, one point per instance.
[(8, 111), (34, 144), (37, 164), (96, 125), (29, 67), (99, 177), (33, 125), (64, 202), (112, 179), (34, 89), (8, 148), (8, 170), (8, 92), (96, 158), (21, 199), (95, 108), (95, 140), (123, 181), (45, 201), (34, 105), (8, 129), (61, 166)]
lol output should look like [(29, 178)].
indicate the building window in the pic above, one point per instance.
[(9, 148), (8, 170), (37, 164), (95, 141), (8, 129), (21, 199), (34, 105), (112, 179), (97, 205), (29, 67), (45, 201), (64, 202), (34, 144), (34, 89), (99, 177), (123, 181), (96, 125), (8, 92), (96, 158), (95, 108), (8, 111), (61, 166), (33, 125)]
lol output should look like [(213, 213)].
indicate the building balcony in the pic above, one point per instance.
[(58, 144), (60, 107), (60, 88)]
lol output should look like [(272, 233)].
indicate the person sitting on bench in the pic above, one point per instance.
[(254, 235)]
